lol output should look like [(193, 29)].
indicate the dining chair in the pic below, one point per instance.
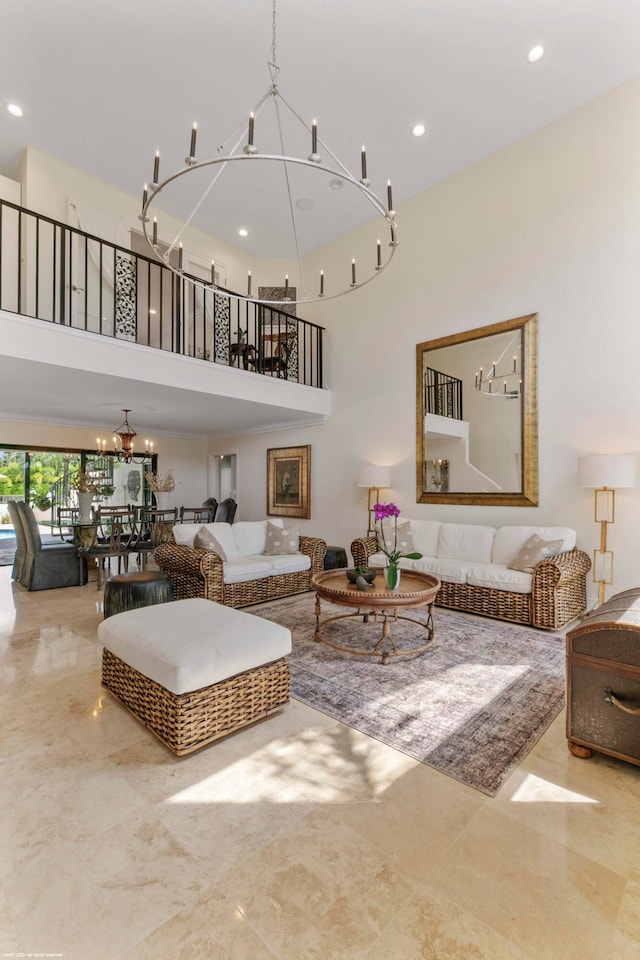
[(114, 535), (48, 565), (212, 503), (277, 363), (67, 519), (226, 511), (154, 526), (21, 541), (196, 515)]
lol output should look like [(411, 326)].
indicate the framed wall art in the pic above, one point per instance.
[(289, 482)]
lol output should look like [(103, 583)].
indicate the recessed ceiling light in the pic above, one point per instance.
[(304, 204), (243, 232), (419, 130), (535, 54), (336, 184), (14, 110)]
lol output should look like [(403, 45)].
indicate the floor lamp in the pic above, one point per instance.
[(605, 472), (375, 478)]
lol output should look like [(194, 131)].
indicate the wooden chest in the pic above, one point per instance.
[(603, 680)]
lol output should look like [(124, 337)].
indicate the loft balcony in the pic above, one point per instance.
[(98, 319)]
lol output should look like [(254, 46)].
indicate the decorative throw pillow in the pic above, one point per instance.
[(533, 551), (205, 540), (281, 540), (405, 540)]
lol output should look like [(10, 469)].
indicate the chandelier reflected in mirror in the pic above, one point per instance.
[(124, 443), (259, 145), (504, 377)]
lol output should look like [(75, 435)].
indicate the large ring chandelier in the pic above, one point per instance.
[(244, 151)]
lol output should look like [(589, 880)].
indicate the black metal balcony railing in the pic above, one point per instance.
[(442, 394), (59, 274)]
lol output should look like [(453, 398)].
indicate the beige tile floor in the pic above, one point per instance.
[(296, 838)]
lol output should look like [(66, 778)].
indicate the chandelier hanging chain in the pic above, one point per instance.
[(273, 36), (294, 225)]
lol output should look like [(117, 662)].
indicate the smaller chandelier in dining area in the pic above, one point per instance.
[(123, 443)]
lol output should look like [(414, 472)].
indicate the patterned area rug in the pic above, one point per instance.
[(472, 705)]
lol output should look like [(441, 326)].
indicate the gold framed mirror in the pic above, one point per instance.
[(477, 416)]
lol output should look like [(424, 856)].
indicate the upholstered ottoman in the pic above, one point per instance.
[(193, 671)]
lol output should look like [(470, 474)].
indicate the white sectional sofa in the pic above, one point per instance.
[(235, 567), (473, 563)]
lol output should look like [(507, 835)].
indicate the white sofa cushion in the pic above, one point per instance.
[(240, 569), (257, 566), (453, 571), (425, 536), (250, 536), (189, 644), (219, 538), (400, 539), (185, 533), (509, 540), (289, 563), (465, 541), (497, 577)]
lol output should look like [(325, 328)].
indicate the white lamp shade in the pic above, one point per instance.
[(372, 475), (607, 470)]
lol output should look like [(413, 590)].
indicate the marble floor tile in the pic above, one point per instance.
[(531, 889), (320, 892), (415, 819), (97, 897), (430, 927), (213, 927), (297, 838), (589, 816)]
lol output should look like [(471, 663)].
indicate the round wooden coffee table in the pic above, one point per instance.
[(380, 603)]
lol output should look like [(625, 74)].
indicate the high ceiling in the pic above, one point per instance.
[(103, 85)]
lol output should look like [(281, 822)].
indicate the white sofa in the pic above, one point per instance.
[(237, 571), (472, 562)]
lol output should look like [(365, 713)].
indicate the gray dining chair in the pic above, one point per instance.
[(21, 542), (48, 565)]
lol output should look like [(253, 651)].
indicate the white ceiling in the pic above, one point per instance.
[(103, 85)]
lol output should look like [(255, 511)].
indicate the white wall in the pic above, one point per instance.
[(550, 225)]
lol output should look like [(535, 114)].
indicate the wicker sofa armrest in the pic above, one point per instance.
[(193, 573), (171, 556), (315, 548), (361, 550), (559, 589)]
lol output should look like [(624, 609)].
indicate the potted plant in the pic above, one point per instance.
[(161, 484), (87, 488), (367, 573)]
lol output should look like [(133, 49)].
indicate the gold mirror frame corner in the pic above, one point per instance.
[(528, 496)]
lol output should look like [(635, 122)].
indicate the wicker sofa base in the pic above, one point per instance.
[(499, 604), (185, 722), (267, 588)]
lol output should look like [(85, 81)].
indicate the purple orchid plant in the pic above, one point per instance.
[(384, 511)]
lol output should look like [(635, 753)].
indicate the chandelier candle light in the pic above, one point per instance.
[(245, 150)]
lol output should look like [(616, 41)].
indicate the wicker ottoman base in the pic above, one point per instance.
[(185, 722)]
